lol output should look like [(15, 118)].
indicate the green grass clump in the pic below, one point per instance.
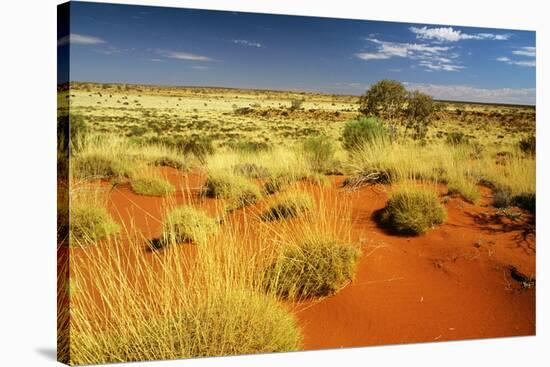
[(96, 165), (317, 267), (233, 323), (188, 224), (151, 186), (413, 211), (290, 206), (465, 188), (319, 153), (236, 189), (364, 131), (89, 223)]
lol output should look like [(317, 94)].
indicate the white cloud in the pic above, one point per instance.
[(448, 34), (79, 39), (157, 60), (525, 51), (468, 93), (431, 58), (248, 43), (180, 55), (200, 67)]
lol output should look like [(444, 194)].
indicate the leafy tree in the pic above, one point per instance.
[(418, 112), (385, 100)]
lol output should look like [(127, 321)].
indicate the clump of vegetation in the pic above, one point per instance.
[(200, 147), (317, 267), (502, 198), (97, 165), (465, 188), (89, 223), (290, 206), (319, 152), (412, 211), (170, 161), (233, 323), (251, 170), (457, 138), (528, 145), (277, 183), (187, 224), (238, 190), (526, 201), (363, 131), (151, 185)]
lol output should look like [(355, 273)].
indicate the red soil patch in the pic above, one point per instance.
[(453, 282)]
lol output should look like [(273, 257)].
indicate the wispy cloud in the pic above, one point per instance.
[(111, 50), (468, 93), (200, 67), (430, 57), (157, 60), (248, 43), (181, 55), (527, 51), (449, 34), (79, 39)]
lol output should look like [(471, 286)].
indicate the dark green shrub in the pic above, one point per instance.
[(364, 131), (526, 201), (319, 152)]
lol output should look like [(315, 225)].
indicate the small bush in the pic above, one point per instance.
[(152, 186), (289, 206), (319, 152), (412, 211), (315, 268), (528, 145), (89, 224), (186, 223), (251, 170), (502, 198), (363, 131), (239, 191)]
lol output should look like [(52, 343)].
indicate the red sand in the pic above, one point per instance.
[(452, 283)]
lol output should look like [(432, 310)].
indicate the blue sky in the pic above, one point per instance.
[(171, 46)]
